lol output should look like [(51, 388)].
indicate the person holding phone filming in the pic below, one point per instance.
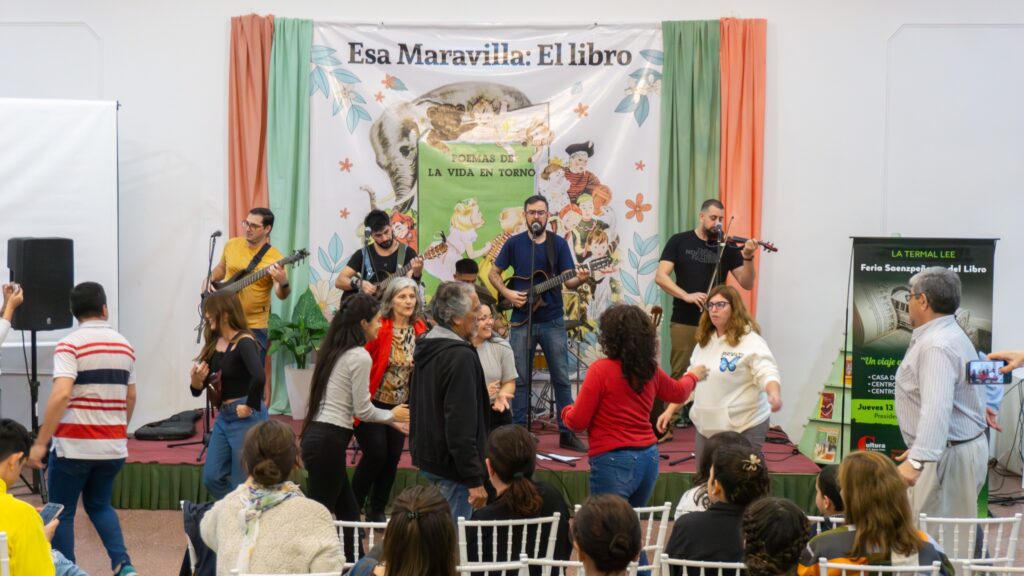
[(940, 415)]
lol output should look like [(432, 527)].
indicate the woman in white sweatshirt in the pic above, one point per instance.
[(742, 387)]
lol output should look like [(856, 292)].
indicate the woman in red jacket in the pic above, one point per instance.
[(382, 444), (614, 405)]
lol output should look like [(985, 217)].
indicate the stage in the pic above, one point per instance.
[(156, 477)]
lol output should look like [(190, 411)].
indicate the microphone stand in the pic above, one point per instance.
[(209, 274), (530, 346)]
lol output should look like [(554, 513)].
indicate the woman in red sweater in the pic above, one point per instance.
[(382, 444), (614, 405)]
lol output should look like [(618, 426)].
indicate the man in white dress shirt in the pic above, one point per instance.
[(941, 416)]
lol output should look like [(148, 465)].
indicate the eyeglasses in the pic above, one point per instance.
[(718, 305), (536, 213), (250, 225)]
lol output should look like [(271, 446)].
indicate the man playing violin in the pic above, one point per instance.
[(373, 264), (548, 318), (692, 256)]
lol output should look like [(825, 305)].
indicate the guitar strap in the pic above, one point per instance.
[(252, 264), (549, 246), (401, 255)]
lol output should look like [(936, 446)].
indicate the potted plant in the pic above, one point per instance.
[(298, 338)]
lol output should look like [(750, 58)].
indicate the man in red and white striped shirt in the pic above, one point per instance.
[(87, 417)]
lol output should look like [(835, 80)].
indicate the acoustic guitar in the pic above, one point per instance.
[(541, 282)]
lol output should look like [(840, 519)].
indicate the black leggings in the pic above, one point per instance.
[(382, 447), (323, 453)]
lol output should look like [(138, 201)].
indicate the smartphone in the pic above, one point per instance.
[(987, 372), (50, 511)]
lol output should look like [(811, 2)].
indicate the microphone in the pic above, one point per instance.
[(216, 234), (536, 228)]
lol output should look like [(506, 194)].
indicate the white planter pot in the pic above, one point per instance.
[(298, 382)]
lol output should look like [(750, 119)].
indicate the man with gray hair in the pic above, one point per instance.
[(941, 416), (449, 403)]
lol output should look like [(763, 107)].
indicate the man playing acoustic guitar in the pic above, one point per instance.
[(552, 257), (373, 264)]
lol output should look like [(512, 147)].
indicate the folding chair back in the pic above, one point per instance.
[(354, 531), (503, 540), (992, 540)]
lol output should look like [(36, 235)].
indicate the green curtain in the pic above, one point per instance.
[(288, 164), (690, 133)]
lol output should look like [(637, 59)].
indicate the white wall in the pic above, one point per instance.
[(842, 131)]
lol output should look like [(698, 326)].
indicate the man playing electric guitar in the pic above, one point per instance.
[(548, 318), (373, 264), (251, 254)]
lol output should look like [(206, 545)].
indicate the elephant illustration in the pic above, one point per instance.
[(396, 132)]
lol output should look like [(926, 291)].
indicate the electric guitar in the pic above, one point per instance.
[(433, 252), (541, 282)]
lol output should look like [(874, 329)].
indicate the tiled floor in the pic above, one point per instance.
[(156, 541)]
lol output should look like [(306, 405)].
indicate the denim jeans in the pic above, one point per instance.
[(456, 493), (222, 471), (64, 567), (627, 473), (93, 480), (555, 343), (262, 336)]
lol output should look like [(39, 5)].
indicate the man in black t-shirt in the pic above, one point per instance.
[(385, 256), (692, 257)]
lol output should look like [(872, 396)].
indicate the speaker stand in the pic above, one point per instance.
[(36, 485)]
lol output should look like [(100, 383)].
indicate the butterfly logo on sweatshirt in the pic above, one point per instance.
[(729, 365)]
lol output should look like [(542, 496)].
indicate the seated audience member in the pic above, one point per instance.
[(879, 527), (696, 498), (775, 532), (511, 459), (28, 541), (606, 535), (827, 497), (738, 477), (419, 540), (266, 525)]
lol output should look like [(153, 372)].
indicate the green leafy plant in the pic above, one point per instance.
[(302, 334)]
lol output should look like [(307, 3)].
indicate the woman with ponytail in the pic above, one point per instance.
[(266, 525), (419, 540), (511, 459), (606, 535), (339, 393), (738, 478)]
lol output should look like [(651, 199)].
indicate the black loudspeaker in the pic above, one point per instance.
[(45, 269)]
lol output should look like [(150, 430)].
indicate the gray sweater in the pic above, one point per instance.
[(348, 392)]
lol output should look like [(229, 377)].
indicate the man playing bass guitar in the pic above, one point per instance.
[(248, 254), (373, 264), (551, 257)]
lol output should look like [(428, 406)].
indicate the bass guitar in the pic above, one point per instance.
[(240, 281), (236, 284), (542, 282)]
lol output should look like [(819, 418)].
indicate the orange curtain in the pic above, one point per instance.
[(251, 39), (743, 46)]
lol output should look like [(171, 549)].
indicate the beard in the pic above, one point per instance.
[(536, 228), (387, 243)]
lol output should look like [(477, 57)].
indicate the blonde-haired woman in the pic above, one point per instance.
[(879, 527), (465, 221), (742, 388)]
